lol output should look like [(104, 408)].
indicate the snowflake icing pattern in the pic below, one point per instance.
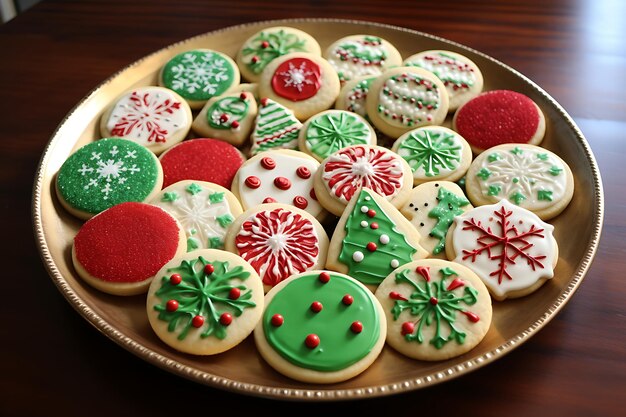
[(199, 72), (434, 152), (107, 173), (297, 77)]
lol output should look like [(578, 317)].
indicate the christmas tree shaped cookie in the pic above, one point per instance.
[(371, 239), (275, 127)]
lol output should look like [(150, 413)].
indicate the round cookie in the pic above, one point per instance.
[(529, 176), (434, 153), (304, 82), (205, 211), (497, 117), (327, 132), (405, 98), (511, 249), (154, 117), (435, 309), (202, 159), (431, 208), (205, 302), (343, 173), (353, 95), (275, 127), (107, 172), (270, 43), (321, 327), (199, 74), (460, 75), (120, 250), (362, 55)]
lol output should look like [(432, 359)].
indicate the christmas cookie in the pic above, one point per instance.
[(154, 117), (205, 302), (304, 82), (497, 117), (120, 250), (278, 241), (372, 239), (209, 160), (228, 117), (343, 173), (107, 172), (199, 74), (431, 208), (406, 98), (270, 43), (434, 153), (362, 55), (511, 249), (332, 130), (529, 176), (321, 327), (205, 211), (460, 75), (353, 95), (435, 309), (275, 127)]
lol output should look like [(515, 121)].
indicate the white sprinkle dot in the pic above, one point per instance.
[(395, 263), (367, 198), (358, 256), (384, 239), (364, 209), (364, 224)]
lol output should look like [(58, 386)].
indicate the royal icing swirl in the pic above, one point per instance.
[(331, 131), (431, 152)]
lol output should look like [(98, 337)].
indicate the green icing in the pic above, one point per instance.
[(545, 195), (517, 151), (339, 346), (216, 198), (494, 190), (354, 49), (277, 44), (517, 197), (215, 243), (330, 132), (222, 113), (224, 220), (192, 244), (193, 188), (276, 127), (170, 196), (493, 157), (431, 150), (542, 156), (554, 170), (484, 173), (448, 207)]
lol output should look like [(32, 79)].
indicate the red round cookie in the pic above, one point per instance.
[(208, 160)]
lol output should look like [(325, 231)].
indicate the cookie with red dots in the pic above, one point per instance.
[(435, 309), (321, 327), (205, 302)]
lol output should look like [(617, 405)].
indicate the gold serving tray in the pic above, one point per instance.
[(124, 320)]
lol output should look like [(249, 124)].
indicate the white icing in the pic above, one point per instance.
[(358, 256), (394, 263), (364, 223), (349, 69), (384, 239), (364, 209), (399, 107)]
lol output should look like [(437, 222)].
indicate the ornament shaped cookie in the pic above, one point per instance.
[(205, 211), (275, 127), (460, 75), (304, 82), (497, 117), (205, 302), (321, 327), (405, 98), (201, 159), (332, 130), (511, 249), (270, 43), (529, 176), (154, 117), (342, 174), (278, 241), (280, 176), (434, 153), (431, 209), (199, 75), (372, 239), (353, 95), (107, 172), (228, 117), (362, 55), (120, 250)]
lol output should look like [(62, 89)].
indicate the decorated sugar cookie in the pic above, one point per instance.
[(511, 249), (275, 127), (343, 173), (406, 98), (278, 241), (434, 153), (362, 55), (304, 82), (497, 117), (460, 75), (205, 302), (252, 88), (228, 117), (321, 327), (154, 117), (270, 43), (372, 239), (435, 309), (529, 176), (199, 74), (431, 209), (120, 250), (332, 130), (107, 172), (353, 95)]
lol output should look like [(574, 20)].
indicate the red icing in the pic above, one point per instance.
[(226, 319), (374, 225), (209, 269), (282, 183), (473, 317), (171, 305), (300, 202), (316, 306), (253, 182), (371, 246), (371, 213), (424, 271), (234, 293), (433, 301), (268, 163), (396, 296), (176, 279), (408, 328), (456, 283), (347, 299), (324, 277), (312, 194), (303, 172), (197, 321), (269, 200), (297, 79), (234, 124), (312, 341), (277, 320), (356, 327)]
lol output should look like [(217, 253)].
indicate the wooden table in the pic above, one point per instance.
[(54, 363)]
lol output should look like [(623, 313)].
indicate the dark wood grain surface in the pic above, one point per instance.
[(52, 362)]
